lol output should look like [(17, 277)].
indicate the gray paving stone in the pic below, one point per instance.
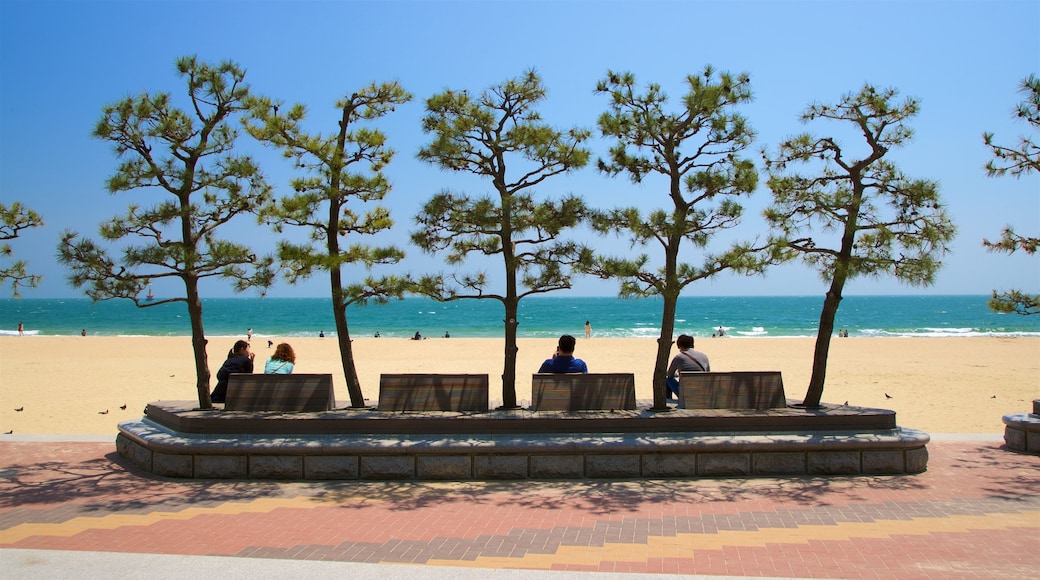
[(723, 464), (444, 467), (276, 466), (387, 467), (627, 465), (670, 465), (221, 466), (782, 463), (558, 466), (330, 467), (834, 463), (170, 465), (886, 461), (500, 467)]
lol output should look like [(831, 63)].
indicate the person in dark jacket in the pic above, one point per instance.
[(239, 360)]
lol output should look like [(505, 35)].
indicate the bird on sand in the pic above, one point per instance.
[(8, 432), (122, 407), (105, 412), (887, 396), (20, 409)]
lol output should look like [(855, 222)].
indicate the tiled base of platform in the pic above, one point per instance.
[(161, 451), (1022, 432)]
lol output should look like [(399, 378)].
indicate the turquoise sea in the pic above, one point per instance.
[(744, 317)]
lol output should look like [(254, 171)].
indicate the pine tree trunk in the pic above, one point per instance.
[(511, 349), (664, 347), (198, 345), (823, 345)]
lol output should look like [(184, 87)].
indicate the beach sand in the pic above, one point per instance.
[(938, 385)]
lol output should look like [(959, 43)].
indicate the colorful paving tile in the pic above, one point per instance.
[(974, 513)]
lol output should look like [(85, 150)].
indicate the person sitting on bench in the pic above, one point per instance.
[(239, 360), (687, 360), (282, 361), (563, 361)]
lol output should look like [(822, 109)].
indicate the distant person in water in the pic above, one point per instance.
[(21, 329), (687, 360), (239, 360), (417, 336), (588, 329), (321, 334), (282, 361), (563, 361)]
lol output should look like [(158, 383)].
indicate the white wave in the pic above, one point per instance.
[(15, 332)]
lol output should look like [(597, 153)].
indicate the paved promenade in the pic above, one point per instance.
[(974, 514)]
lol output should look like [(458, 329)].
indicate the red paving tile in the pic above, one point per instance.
[(974, 513)]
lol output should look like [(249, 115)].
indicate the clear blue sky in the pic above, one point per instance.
[(61, 62)]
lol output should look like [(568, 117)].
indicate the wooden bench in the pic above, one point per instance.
[(428, 392), (731, 390), (583, 392), (296, 392)]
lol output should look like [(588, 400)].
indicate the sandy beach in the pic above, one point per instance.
[(78, 385)]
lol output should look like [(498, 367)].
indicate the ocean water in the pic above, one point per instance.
[(742, 317)]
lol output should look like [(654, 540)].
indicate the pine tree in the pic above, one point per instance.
[(696, 149), (342, 168), (13, 220), (188, 156), (886, 222), (499, 136), (1017, 161)]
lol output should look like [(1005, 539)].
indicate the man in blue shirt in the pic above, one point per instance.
[(564, 361)]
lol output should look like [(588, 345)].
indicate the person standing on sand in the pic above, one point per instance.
[(21, 329), (588, 329), (563, 361)]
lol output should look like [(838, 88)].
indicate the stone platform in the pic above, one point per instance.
[(1022, 430), (175, 439)]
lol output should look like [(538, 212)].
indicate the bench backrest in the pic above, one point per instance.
[(433, 392), (295, 392), (583, 392), (731, 390)]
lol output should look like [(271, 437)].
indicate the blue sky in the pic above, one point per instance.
[(62, 62)]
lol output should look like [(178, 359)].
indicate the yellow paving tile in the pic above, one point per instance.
[(111, 522), (665, 547)]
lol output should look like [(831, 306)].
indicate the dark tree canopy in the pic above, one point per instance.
[(498, 135), (186, 155), (1017, 161), (697, 150), (343, 170), (13, 220), (885, 222)]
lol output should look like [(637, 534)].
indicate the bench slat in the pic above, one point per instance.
[(295, 392), (583, 392), (731, 390), (433, 392)]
